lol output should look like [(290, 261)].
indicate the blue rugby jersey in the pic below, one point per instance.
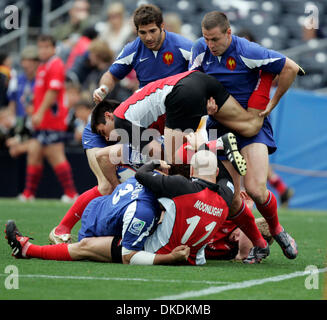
[(172, 58), (238, 69), (131, 211)]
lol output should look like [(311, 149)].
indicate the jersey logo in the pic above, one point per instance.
[(141, 60), (168, 58), (231, 63), (136, 226)]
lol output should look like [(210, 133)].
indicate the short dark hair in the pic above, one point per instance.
[(97, 116), (47, 38), (215, 19), (147, 14)]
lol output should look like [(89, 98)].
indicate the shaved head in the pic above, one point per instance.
[(204, 163)]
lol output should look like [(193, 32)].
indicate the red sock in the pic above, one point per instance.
[(277, 183), (51, 252), (33, 177), (74, 214), (269, 212), (245, 220), (64, 174)]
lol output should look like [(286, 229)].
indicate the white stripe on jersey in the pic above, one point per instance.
[(163, 232), (147, 111), (186, 54), (197, 62), (200, 256), (126, 60), (128, 215), (257, 63)]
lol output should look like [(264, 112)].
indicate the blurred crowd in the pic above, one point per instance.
[(87, 48)]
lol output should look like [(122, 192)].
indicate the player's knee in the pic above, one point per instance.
[(104, 187), (257, 192)]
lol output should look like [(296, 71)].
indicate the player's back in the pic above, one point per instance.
[(190, 219), (106, 213)]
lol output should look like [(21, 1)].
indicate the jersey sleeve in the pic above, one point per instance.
[(123, 64), (138, 223), (161, 185), (255, 56), (197, 56)]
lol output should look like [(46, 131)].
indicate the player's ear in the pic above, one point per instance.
[(217, 172), (109, 115)]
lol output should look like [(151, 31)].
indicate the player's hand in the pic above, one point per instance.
[(164, 166), (100, 93), (181, 253), (212, 107), (36, 119), (267, 111), (195, 140)]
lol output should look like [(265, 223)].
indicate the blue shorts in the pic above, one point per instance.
[(47, 137), (264, 136), (92, 140)]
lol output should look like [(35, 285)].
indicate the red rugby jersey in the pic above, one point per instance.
[(51, 75)]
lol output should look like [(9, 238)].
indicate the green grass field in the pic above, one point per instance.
[(277, 278)]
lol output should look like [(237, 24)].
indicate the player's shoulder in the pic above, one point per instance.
[(130, 48), (199, 45), (179, 40)]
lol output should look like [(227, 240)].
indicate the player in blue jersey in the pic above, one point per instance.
[(154, 54), (237, 63)]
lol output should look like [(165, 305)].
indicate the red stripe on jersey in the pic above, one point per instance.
[(146, 91)]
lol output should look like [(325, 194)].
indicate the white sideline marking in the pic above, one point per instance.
[(46, 276), (237, 285)]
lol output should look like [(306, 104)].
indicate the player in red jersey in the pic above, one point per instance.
[(49, 121), (194, 213)]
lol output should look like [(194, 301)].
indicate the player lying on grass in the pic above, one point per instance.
[(231, 243), (195, 210)]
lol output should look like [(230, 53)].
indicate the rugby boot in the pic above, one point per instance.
[(16, 240), (55, 238), (287, 243), (232, 153), (257, 254)]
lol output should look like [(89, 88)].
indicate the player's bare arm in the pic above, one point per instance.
[(108, 158), (107, 84), (178, 255), (285, 80), (49, 100)]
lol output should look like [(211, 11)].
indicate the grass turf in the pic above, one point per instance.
[(45, 280)]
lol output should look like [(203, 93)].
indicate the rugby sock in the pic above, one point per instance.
[(245, 220), (278, 184), (74, 214), (260, 96), (50, 252), (269, 212), (33, 177), (64, 174)]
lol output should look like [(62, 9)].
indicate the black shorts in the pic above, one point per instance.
[(187, 102), (116, 250)]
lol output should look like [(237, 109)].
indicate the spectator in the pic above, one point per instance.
[(49, 121), (20, 95), (83, 109), (118, 30), (173, 23), (81, 46), (78, 20), (5, 67)]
